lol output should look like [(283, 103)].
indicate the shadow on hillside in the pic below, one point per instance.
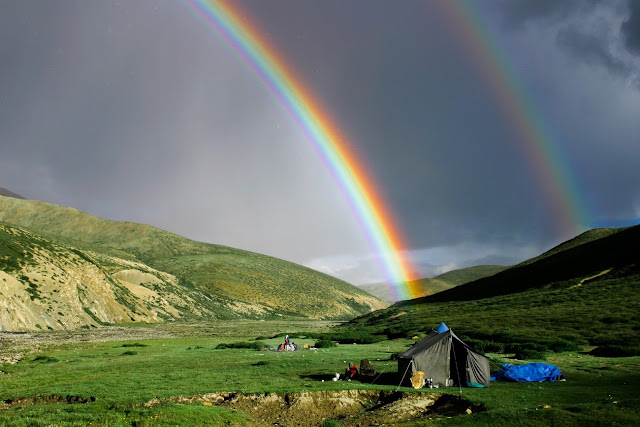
[(381, 378)]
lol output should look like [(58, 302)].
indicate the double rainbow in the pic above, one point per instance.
[(323, 132), (529, 129)]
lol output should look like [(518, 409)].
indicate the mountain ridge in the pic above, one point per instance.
[(8, 193)]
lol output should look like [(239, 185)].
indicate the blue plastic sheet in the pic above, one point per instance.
[(527, 373)]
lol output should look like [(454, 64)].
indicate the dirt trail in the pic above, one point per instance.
[(586, 279)]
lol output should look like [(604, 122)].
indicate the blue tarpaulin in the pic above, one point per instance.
[(527, 373)]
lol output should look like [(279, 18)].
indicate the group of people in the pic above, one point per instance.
[(288, 345)]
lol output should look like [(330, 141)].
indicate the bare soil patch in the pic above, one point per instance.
[(349, 407), (38, 400)]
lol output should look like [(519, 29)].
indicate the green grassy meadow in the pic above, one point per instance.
[(108, 383)]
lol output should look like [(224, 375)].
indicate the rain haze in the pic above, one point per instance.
[(142, 111)]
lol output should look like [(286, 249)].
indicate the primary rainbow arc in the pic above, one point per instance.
[(326, 136)]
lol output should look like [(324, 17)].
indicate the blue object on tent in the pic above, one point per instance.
[(442, 328), (527, 373)]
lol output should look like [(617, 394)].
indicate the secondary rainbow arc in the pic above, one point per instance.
[(541, 147)]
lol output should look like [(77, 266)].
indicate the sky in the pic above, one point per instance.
[(141, 111)]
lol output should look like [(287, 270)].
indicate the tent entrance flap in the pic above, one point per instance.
[(458, 363)]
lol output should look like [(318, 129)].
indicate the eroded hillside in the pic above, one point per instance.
[(45, 285), (61, 268)]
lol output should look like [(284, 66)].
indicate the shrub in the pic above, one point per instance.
[(45, 359), (559, 345), (357, 338), (348, 337), (494, 347), (324, 343), (526, 351), (398, 331), (528, 354), (255, 345), (615, 351)]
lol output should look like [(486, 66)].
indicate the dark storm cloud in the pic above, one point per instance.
[(589, 31), (631, 28)]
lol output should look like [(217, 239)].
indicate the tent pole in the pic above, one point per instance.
[(405, 374)]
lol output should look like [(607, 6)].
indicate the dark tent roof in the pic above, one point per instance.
[(423, 345), (431, 339)]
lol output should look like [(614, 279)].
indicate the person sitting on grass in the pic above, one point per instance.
[(351, 373)]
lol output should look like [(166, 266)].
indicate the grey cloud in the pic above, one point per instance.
[(591, 49), (595, 33), (517, 13), (631, 28)]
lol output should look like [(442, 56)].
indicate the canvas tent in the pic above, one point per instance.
[(445, 359)]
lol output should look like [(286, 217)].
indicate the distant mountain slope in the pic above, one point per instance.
[(439, 283), (586, 237), (579, 258), (135, 272), (578, 295), (469, 274), (7, 193)]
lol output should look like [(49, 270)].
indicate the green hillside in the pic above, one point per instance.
[(584, 295), (469, 274), (437, 284), (141, 273), (455, 278), (612, 251)]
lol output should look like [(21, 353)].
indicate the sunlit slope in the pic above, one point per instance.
[(140, 240), (134, 262), (45, 284)]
